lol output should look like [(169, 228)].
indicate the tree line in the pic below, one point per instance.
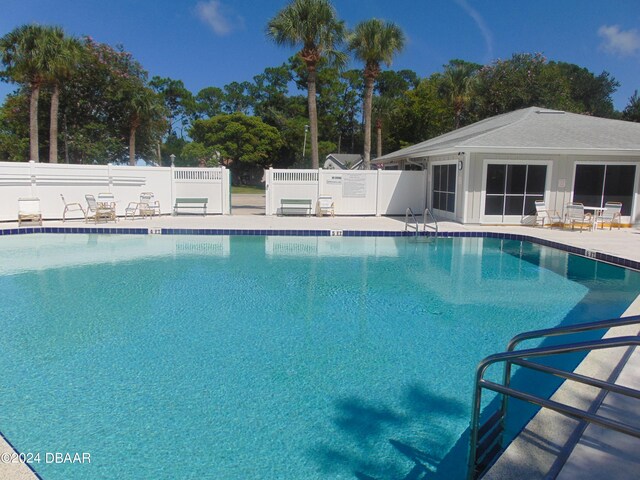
[(80, 101)]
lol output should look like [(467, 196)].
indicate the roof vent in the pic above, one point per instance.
[(550, 111)]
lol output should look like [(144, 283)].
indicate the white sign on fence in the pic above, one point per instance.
[(354, 186)]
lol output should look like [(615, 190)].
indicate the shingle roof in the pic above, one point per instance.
[(345, 160), (532, 127)]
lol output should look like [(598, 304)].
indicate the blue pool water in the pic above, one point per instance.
[(268, 357)]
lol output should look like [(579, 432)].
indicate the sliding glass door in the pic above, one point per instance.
[(595, 185)]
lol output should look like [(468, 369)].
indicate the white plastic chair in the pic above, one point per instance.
[(611, 214), (575, 215), (71, 207), (29, 210), (543, 214), (152, 205), (325, 206), (97, 211)]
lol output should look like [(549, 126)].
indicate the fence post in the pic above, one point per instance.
[(377, 192), (268, 179), (172, 181), (318, 189), (109, 178), (223, 190), (32, 178)]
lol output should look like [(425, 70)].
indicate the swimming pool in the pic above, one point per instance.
[(268, 357)]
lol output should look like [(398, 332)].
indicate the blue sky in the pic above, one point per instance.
[(214, 42)]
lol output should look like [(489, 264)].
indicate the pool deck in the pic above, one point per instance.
[(541, 445)]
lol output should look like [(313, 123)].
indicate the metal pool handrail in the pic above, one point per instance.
[(406, 220), (492, 429), (424, 220)]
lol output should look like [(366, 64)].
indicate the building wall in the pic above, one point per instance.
[(559, 186)]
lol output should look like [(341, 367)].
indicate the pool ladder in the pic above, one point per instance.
[(415, 225), (486, 439)]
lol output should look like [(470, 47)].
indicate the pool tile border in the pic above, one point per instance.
[(594, 255)]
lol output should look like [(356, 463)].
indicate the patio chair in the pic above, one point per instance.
[(98, 211), (107, 199), (575, 215), (71, 207), (130, 210), (138, 208), (153, 205), (325, 206), (29, 210), (611, 214), (543, 214)]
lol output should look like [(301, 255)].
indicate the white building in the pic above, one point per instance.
[(491, 172)]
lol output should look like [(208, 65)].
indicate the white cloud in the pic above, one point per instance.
[(619, 42), (481, 24), (218, 16)]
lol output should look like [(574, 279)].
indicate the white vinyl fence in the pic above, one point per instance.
[(354, 192), (48, 181)]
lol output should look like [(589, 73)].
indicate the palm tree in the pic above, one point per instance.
[(456, 86), (31, 55), (67, 52), (373, 41), (382, 109), (141, 105), (312, 24)]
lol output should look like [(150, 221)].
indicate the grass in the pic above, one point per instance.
[(247, 189)]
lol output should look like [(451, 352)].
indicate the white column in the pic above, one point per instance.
[(377, 199), (268, 178)]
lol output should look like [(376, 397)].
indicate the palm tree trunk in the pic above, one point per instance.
[(368, 99), (33, 123), (132, 145), (53, 128), (313, 115)]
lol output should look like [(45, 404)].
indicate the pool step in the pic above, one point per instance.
[(489, 447)]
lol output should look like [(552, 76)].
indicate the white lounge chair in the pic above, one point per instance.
[(543, 214), (107, 199), (138, 209), (29, 210), (71, 207), (575, 215), (610, 215), (152, 205), (98, 211), (325, 206)]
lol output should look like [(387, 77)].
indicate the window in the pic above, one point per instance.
[(597, 184), (513, 189), (444, 187)]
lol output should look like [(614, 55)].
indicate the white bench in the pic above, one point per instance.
[(295, 206), (190, 203)]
